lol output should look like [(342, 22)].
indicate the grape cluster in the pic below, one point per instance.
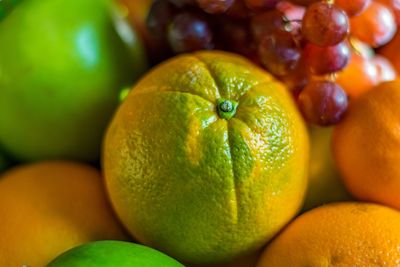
[(304, 43)]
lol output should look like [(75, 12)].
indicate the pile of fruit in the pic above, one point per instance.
[(199, 133)]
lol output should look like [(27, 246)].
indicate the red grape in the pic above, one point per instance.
[(182, 3), (292, 12), (305, 2), (266, 23), (297, 79), (353, 7), (394, 5), (323, 102), (376, 26), (190, 32), (239, 10), (260, 4), (215, 6), (279, 52), (325, 60), (325, 24), (158, 18), (234, 35), (385, 69)]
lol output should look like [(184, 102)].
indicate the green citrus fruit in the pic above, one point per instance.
[(62, 64), (206, 159), (325, 184), (113, 254)]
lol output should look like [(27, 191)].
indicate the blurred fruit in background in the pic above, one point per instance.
[(367, 146), (385, 69), (360, 76), (394, 5), (391, 52), (62, 65), (324, 184), (340, 234), (206, 159), (375, 26), (113, 254), (49, 207)]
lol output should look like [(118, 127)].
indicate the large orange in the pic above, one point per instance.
[(207, 158), (47, 208), (367, 145), (343, 234)]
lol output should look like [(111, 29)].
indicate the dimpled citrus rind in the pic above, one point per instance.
[(201, 188), (340, 234)]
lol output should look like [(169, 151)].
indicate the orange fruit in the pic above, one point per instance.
[(391, 51), (324, 183), (366, 145), (376, 25), (359, 76), (340, 234), (206, 159), (49, 207)]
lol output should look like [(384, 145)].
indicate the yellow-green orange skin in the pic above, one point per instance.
[(201, 188)]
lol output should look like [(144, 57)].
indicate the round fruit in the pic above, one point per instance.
[(367, 145), (391, 51), (188, 32), (62, 64), (353, 7), (47, 208), (376, 26), (112, 254), (325, 60), (343, 234), (207, 158), (360, 75), (325, 24), (324, 182), (323, 102), (385, 69)]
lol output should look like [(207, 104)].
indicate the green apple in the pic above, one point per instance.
[(62, 65), (113, 254), (325, 184)]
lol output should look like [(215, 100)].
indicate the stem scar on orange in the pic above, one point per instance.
[(207, 157)]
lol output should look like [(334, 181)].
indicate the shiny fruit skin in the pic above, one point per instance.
[(375, 26), (50, 207), (326, 60), (279, 53), (234, 192), (359, 76), (339, 234), (110, 253), (325, 24), (62, 65), (323, 103), (394, 5), (189, 32), (391, 51), (385, 69), (215, 6), (353, 7), (369, 162)]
